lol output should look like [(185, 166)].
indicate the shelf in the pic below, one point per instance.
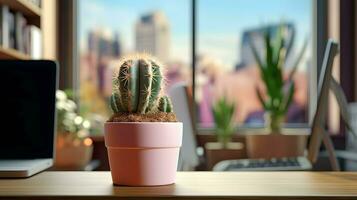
[(29, 10), (12, 54)]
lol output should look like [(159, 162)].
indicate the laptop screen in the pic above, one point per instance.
[(27, 113)]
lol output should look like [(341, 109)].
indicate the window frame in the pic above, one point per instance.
[(317, 28), (71, 60)]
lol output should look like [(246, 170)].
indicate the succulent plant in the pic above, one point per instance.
[(223, 113), (280, 92), (137, 87)]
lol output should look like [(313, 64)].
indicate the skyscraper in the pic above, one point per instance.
[(256, 34), (103, 46), (104, 43), (152, 35)]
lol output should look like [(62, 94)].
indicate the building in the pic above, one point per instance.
[(152, 35), (256, 34), (104, 43), (103, 46)]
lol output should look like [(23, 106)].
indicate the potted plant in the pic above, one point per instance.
[(143, 137), (73, 146), (279, 95), (223, 114)]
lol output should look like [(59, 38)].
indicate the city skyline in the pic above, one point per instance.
[(152, 35), (215, 33)]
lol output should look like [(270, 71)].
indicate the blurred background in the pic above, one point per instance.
[(202, 43)]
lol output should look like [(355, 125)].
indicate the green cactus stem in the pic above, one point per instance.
[(137, 87), (165, 104)]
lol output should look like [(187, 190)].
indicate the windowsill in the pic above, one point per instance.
[(288, 129)]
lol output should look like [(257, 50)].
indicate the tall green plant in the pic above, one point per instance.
[(280, 92), (223, 113)]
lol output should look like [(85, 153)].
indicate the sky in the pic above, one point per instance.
[(220, 22)]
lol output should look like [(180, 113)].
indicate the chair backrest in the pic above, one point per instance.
[(188, 159)]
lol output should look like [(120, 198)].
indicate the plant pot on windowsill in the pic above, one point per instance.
[(275, 145), (277, 97), (72, 154), (223, 113), (272, 143), (216, 152), (143, 138)]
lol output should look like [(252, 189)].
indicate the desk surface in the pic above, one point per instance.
[(189, 185)]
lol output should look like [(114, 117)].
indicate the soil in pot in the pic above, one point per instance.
[(134, 117)]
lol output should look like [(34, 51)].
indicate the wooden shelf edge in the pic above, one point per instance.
[(29, 10), (12, 54)]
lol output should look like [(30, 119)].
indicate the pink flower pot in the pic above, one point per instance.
[(143, 153)]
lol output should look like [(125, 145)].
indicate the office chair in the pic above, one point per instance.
[(189, 159)]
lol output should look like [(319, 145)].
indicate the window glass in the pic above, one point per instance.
[(111, 29), (226, 65)]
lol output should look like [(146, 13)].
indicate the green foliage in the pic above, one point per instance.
[(137, 87), (280, 92), (68, 121), (223, 113)]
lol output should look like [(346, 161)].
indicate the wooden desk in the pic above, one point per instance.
[(189, 185)]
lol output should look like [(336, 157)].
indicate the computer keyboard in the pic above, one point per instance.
[(274, 164)]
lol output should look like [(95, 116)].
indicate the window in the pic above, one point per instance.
[(111, 29), (226, 66)]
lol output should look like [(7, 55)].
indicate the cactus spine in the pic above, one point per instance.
[(137, 87)]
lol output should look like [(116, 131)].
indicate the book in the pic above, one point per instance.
[(4, 26), (36, 42), (27, 40), (11, 33), (20, 24), (36, 2)]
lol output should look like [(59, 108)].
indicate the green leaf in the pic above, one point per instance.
[(261, 99), (269, 51), (300, 55), (223, 113), (289, 98)]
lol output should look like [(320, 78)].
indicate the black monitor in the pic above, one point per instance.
[(27, 117)]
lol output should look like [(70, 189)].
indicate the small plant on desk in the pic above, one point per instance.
[(223, 113), (142, 136), (73, 145)]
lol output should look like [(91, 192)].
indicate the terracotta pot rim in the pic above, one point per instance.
[(143, 122)]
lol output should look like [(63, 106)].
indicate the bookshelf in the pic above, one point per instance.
[(32, 13), (12, 54)]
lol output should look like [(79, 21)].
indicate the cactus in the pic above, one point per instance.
[(137, 87), (165, 104), (279, 99)]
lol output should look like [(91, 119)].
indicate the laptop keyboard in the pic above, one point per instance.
[(265, 163)]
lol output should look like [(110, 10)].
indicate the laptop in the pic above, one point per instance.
[(318, 133), (27, 119)]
